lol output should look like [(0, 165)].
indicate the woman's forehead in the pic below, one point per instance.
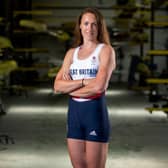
[(88, 16)]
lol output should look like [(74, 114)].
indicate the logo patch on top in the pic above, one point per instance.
[(93, 60)]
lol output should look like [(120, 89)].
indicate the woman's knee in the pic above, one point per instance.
[(79, 164), (95, 164)]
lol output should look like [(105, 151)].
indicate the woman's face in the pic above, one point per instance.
[(89, 27)]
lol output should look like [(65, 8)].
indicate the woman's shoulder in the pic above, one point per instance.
[(70, 53), (71, 50), (107, 48)]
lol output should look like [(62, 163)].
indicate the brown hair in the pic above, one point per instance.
[(103, 36)]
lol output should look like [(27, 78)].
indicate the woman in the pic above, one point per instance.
[(85, 75)]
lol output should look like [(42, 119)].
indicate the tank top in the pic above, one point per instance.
[(85, 68)]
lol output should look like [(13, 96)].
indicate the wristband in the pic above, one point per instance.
[(83, 82)]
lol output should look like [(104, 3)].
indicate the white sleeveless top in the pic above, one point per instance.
[(85, 68)]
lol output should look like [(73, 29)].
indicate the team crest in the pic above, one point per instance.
[(93, 60)]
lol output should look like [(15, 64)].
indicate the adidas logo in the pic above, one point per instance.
[(93, 133)]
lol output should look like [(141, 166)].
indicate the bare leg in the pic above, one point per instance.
[(77, 153), (96, 154)]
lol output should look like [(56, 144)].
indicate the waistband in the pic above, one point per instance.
[(89, 97)]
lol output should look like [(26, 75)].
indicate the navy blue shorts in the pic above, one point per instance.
[(88, 120)]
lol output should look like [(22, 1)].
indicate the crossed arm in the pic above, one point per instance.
[(88, 87)]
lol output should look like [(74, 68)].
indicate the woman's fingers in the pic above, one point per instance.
[(66, 76)]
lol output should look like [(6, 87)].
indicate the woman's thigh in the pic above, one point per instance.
[(96, 154), (77, 153)]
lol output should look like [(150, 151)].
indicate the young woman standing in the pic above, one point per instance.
[(84, 75)]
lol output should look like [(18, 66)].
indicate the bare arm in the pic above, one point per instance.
[(100, 83), (63, 82)]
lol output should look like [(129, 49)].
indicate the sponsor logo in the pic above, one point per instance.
[(93, 133)]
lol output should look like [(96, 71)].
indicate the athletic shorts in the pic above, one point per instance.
[(88, 120)]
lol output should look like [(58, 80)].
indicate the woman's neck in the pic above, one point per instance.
[(89, 44)]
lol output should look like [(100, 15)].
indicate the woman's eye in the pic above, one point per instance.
[(86, 23), (95, 24)]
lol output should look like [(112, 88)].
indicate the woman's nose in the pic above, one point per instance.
[(90, 27)]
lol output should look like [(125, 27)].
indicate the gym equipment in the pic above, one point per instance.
[(33, 12), (154, 96), (144, 69), (42, 27), (53, 71), (1, 19), (157, 81), (157, 3), (7, 66), (157, 52), (137, 37), (138, 65), (146, 2), (37, 26), (152, 109), (122, 22), (45, 5), (5, 42), (157, 24), (32, 50)]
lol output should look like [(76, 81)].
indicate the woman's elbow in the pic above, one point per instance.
[(57, 89), (99, 88), (113, 67)]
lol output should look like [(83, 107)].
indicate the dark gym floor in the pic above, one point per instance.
[(36, 126)]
